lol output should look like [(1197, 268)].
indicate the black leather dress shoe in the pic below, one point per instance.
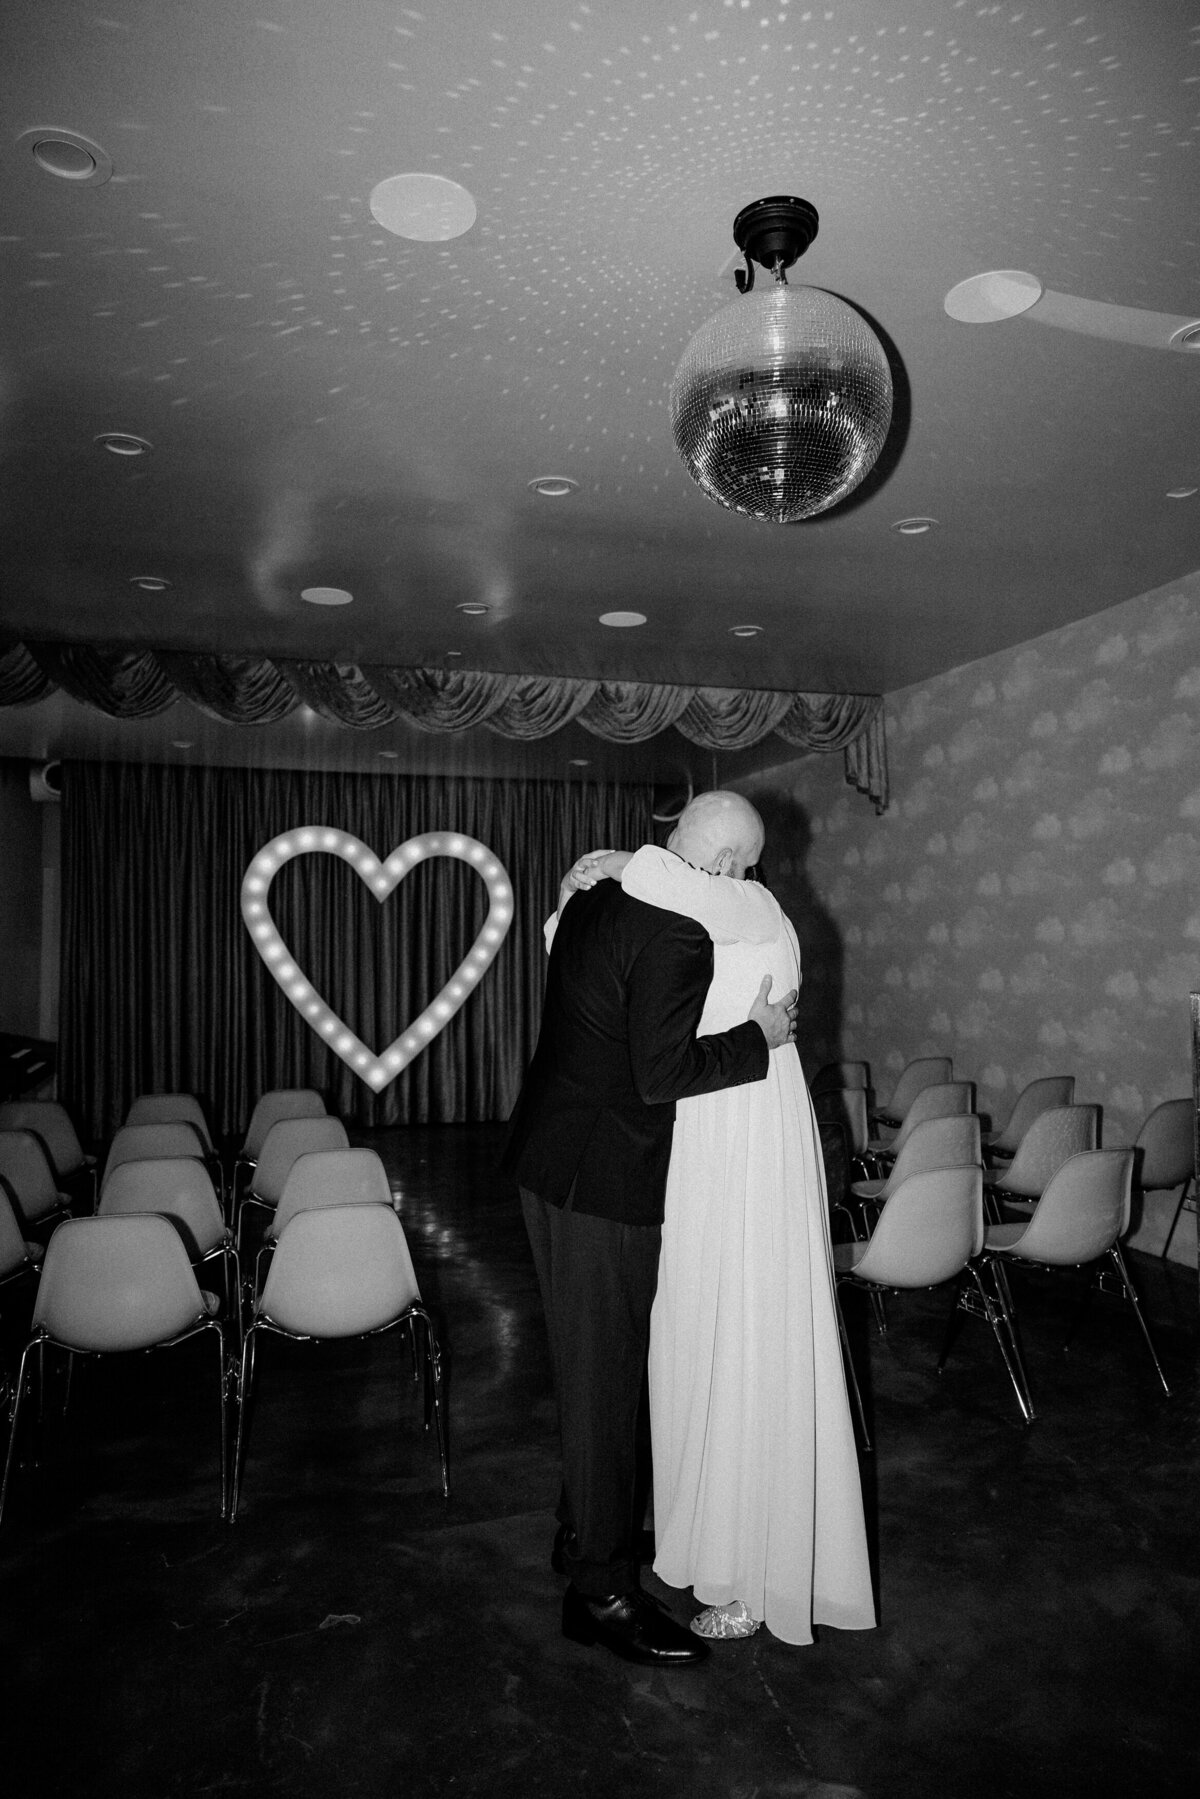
[(633, 1626)]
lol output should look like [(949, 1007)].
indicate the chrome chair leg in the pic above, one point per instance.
[(1131, 1295), (223, 1397), (953, 1322), (433, 1390), (244, 1386), (1000, 1317), (14, 1425)]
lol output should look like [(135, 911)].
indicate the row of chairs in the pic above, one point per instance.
[(944, 1210), (931, 1229), (1043, 1128), (126, 1277)]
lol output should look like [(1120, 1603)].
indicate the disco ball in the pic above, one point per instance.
[(781, 404)]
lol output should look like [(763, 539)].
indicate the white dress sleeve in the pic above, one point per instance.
[(731, 911)]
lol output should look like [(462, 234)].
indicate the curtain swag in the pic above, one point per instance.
[(253, 690)]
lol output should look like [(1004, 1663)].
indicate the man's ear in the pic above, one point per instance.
[(722, 862)]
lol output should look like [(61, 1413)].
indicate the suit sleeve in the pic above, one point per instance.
[(666, 997)]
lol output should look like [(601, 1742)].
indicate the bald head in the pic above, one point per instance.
[(720, 832)]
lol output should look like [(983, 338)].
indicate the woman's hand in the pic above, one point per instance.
[(596, 865)]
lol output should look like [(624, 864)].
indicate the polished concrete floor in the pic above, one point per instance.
[(352, 1634)]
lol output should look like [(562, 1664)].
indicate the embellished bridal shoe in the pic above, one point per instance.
[(722, 1622)]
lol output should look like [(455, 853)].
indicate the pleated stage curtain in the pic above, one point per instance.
[(163, 990)]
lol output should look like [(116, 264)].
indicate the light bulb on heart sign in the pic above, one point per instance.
[(381, 878)]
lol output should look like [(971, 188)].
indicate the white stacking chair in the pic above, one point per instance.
[(1078, 1222), (181, 1108), (925, 1071), (152, 1143), (50, 1120), (27, 1168), (941, 1099), (846, 1107), (18, 1256), (1038, 1097), (1167, 1142), (930, 1231), (1052, 1138), (111, 1285), (269, 1108), (172, 1108), (179, 1188), (947, 1142), (286, 1140), (340, 1271), (324, 1177)]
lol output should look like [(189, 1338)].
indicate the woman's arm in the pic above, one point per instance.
[(731, 911)]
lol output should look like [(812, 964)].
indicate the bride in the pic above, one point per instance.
[(757, 1499)]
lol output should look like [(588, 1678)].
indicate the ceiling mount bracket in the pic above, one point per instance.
[(774, 232)]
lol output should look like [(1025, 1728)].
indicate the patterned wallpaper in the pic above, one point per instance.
[(1030, 903)]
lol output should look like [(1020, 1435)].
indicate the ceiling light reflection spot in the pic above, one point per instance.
[(426, 208), (622, 621), (473, 609), (327, 596), (998, 294), (914, 527), (745, 630), (149, 583)]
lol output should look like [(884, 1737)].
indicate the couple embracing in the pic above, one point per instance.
[(665, 1078)]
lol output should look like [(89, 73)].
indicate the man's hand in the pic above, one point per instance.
[(777, 1020)]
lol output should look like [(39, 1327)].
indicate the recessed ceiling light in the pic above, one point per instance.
[(391, 755), (327, 596), (1181, 493), (67, 155), (553, 487), (123, 443), (621, 621), (454, 652), (579, 762), (427, 208), (182, 743), (745, 630), (914, 527), (473, 608), (149, 583), (998, 294), (1186, 338)]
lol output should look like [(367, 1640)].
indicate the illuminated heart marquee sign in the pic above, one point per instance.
[(381, 878)]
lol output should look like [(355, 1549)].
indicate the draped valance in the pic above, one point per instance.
[(256, 690)]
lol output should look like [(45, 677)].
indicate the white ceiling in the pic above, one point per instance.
[(331, 404)]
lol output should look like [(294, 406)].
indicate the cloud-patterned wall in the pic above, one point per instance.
[(1030, 904)]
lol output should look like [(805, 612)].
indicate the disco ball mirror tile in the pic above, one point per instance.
[(781, 403)]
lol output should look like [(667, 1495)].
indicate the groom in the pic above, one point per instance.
[(589, 1143)]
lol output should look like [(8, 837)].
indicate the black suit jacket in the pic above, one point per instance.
[(617, 1047)]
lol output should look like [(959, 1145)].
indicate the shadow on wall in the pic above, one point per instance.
[(784, 869)]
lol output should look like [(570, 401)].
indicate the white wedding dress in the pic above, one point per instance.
[(756, 1485)]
